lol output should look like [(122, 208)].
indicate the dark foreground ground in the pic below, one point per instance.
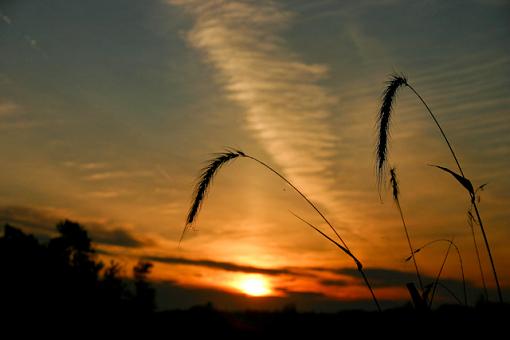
[(489, 321), (402, 322)]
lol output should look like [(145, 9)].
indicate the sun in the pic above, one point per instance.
[(254, 285)]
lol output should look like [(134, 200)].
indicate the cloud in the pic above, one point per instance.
[(385, 277), (34, 219), (380, 278), (42, 222), (116, 237), (106, 175), (8, 108), (32, 42), (227, 266), (12, 115), (107, 193), (284, 104), (335, 283), (85, 165), (6, 19), (450, 290), (173, 296)]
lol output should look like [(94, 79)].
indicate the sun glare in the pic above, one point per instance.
[(254, 286)]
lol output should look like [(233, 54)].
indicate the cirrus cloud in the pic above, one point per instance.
[(284, 104)]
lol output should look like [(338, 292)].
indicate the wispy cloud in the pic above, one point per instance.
[(386, 277), (5, 19), (42, 221), (12, 116), (8, 108), (32, 42), (285, 105), (172, 295), (85, 165), (107, 193), (107, 175)]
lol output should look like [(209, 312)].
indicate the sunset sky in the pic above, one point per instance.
[(109, 109)]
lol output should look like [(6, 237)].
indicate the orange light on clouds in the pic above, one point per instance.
[(254, 285)]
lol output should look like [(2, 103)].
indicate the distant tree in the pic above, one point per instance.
[(74, 269), (144, 298), (74, 247)]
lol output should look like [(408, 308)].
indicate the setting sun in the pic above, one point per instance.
[(254, 286)]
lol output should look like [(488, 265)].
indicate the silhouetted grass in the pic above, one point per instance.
[(350, 254), (434, 286), (396, 192), (450, 244), (207, 175), (471, 220), (395, 82)]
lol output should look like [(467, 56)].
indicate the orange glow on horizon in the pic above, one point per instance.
[(254, 285)]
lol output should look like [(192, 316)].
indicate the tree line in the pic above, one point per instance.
[(64, 279)]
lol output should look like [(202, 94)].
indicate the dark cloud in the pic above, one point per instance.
[(42, 222), (382, 277), (36, 220), (116, 237), (228, 266), (336, 283), (385, 277), (173, 296), (379, 278)]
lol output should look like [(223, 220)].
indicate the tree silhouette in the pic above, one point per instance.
[(63, 279), (145, 294)]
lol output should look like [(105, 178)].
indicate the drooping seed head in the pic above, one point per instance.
[(383, 123), (204, 181)]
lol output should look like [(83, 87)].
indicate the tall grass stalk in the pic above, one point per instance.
[(471, 220), (206, 178), (395, 82), (450, 244), (351, 255), (396, 193), (434, 287)]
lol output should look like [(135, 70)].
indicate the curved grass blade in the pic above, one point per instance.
[(451, 243), (471, 222), (466, 183), (347, 251), (436, 281)]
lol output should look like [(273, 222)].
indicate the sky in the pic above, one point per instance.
[(109, 109)]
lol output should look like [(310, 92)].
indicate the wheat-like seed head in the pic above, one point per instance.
[(383, 123), (204, 182)]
